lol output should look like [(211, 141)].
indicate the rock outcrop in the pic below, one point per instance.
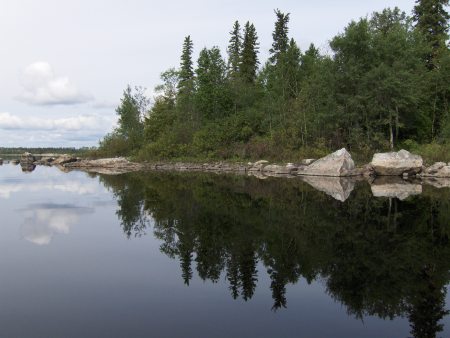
[(395, 187), (274, 169), (396, 163), (439, 169), (63, 159), (337, 164), (258, 166), (112, 166)]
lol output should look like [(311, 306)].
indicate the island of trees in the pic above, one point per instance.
[(384, 84)]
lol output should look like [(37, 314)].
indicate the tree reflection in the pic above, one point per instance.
[(378, 256)]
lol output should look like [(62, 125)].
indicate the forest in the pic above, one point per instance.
[(384, 84)]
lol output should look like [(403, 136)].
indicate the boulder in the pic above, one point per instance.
[(395, 187), (27, 158), (339, 188), (439, 169), (337, 164), (396, 163)]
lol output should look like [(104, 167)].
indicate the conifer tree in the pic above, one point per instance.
[(280, 36), (185, 84), (249, 58), (234, 50), (432, 21)]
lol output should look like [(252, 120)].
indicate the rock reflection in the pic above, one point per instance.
[(43, 221), (27, 167), (339, 188), (383, 257), (395, 187)]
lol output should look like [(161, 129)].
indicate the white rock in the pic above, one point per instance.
[(337, 164), (396, 163)]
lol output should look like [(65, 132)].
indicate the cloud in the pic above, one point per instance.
[(42, 87), (73, 123)]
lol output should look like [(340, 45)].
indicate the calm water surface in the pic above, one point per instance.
[(199, 255)]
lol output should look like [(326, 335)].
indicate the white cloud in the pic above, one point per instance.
[(73, 123), (42, 87)]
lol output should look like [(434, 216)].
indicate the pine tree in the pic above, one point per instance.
[(280, 36), (432, 20), (186, 76), (234, 50), (249, 58)]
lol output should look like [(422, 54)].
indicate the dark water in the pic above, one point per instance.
[(198, 255)]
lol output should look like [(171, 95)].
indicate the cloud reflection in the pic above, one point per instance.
[(43, 221), (75, 187)]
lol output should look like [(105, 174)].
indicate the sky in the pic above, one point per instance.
[(64, 64)]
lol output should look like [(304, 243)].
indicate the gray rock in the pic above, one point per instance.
[(396, 163), (337, 164), (339, 188), (27, 158), (395, 187)]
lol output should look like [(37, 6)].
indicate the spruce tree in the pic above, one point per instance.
[(234, 50), (432, 20), (280, 36), (186, 70), (249, 58)]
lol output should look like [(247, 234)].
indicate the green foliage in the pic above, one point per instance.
[(372, 93), (249, 58), (280, 36), (432, 21), (234, 51)]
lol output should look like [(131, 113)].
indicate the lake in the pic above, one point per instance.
[(206, 255)]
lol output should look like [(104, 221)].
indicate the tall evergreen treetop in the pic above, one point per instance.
[(186, 69), (280, 36), (432, 21), (234, 49), (249, 58)]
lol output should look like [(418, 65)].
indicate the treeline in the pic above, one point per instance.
[(41, 150), (385, 84)]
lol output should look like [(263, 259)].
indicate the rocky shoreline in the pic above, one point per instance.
[(393, 175), (338, 164)]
